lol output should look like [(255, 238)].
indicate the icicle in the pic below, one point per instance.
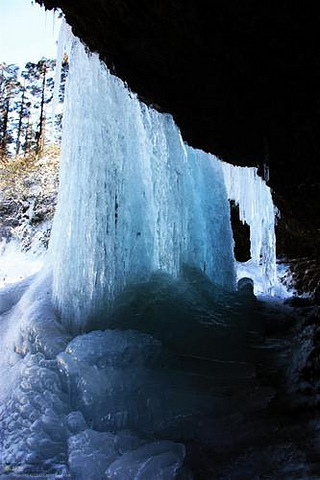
[(256, 208), (133, 198), (64, 48)]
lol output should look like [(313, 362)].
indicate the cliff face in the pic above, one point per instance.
[(241, 80)]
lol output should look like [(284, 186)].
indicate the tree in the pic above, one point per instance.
[(9, 88), (40, 86), (24, 100)]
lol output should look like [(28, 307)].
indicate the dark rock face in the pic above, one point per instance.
[(241, 80), (241, 234)]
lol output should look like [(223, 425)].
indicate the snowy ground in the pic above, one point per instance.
[(15, 264), (281, 289)]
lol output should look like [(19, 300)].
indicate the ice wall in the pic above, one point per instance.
[(256, 208), (133, 197)]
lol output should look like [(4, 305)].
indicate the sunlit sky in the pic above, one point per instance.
[(27, 32)]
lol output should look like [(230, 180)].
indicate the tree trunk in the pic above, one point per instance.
[(18, 143), (4, 133), (40, 133)]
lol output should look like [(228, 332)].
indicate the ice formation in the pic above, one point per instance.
[(69, 406), (133, 199), (256, 208), (136, 205)]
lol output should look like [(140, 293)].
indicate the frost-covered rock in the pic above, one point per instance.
[(91, 453), (157, 461), (123, 455), (32, 416), (116, 379), (115, 348), (246, 286), (37, 328), (76, 422), (107, 373), (33, 404)]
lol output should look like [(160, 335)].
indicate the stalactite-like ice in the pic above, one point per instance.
[(256, 208), (133, 197)]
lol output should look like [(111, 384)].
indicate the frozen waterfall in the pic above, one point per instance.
[(134, 198), (143, 226)]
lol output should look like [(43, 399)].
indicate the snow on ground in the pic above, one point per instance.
[(15, 265), (250, 269)]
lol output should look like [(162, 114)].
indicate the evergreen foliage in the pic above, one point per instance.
[(26, 123)]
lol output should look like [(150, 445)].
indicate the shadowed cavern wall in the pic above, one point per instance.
[(241, 80)]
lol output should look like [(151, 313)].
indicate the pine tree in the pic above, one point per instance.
[(24, 100), (39, 85), (9, 88), (22, 109)]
